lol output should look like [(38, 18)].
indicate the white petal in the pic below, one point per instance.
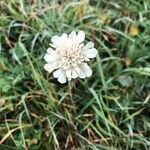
[(86, 58), (51, 57), (63, 41), (90, 53), (72, 35), (50, 67), (81, 45), (55, 39), (50, 50), (80, 73), (68, 74), (87, 70), (64, 37), (57, 73), (53, 45), (58, 40), (80, 37), (74, 74), (62, 78), (89, 45)]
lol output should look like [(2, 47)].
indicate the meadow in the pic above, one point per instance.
[(109, 110)]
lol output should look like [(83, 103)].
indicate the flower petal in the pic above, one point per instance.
[(51, 57), (68, 74), (88, 45), (80, 72), (55, 39), (87, 70), (72, 35), (74, 74), (50, 67), (80, 37), (89, 53), (62, 78), (58, 40), (50, 50), (57, 73), (64, 37)]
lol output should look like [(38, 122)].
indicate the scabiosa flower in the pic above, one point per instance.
[(68, 55)]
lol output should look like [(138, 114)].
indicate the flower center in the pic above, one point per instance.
[(70, 57)]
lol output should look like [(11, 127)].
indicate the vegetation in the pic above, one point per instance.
[(108, 111)]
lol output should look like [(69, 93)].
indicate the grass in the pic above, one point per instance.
[(108, 111)]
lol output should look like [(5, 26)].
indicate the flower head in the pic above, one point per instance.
[(68, 55)]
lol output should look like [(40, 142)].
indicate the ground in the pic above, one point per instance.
[(108, 111)]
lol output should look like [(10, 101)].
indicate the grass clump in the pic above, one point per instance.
[(108, 111)]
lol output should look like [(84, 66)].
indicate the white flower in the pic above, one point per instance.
[(68, 56)]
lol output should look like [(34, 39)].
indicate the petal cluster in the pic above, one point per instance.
[(68, 56)]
